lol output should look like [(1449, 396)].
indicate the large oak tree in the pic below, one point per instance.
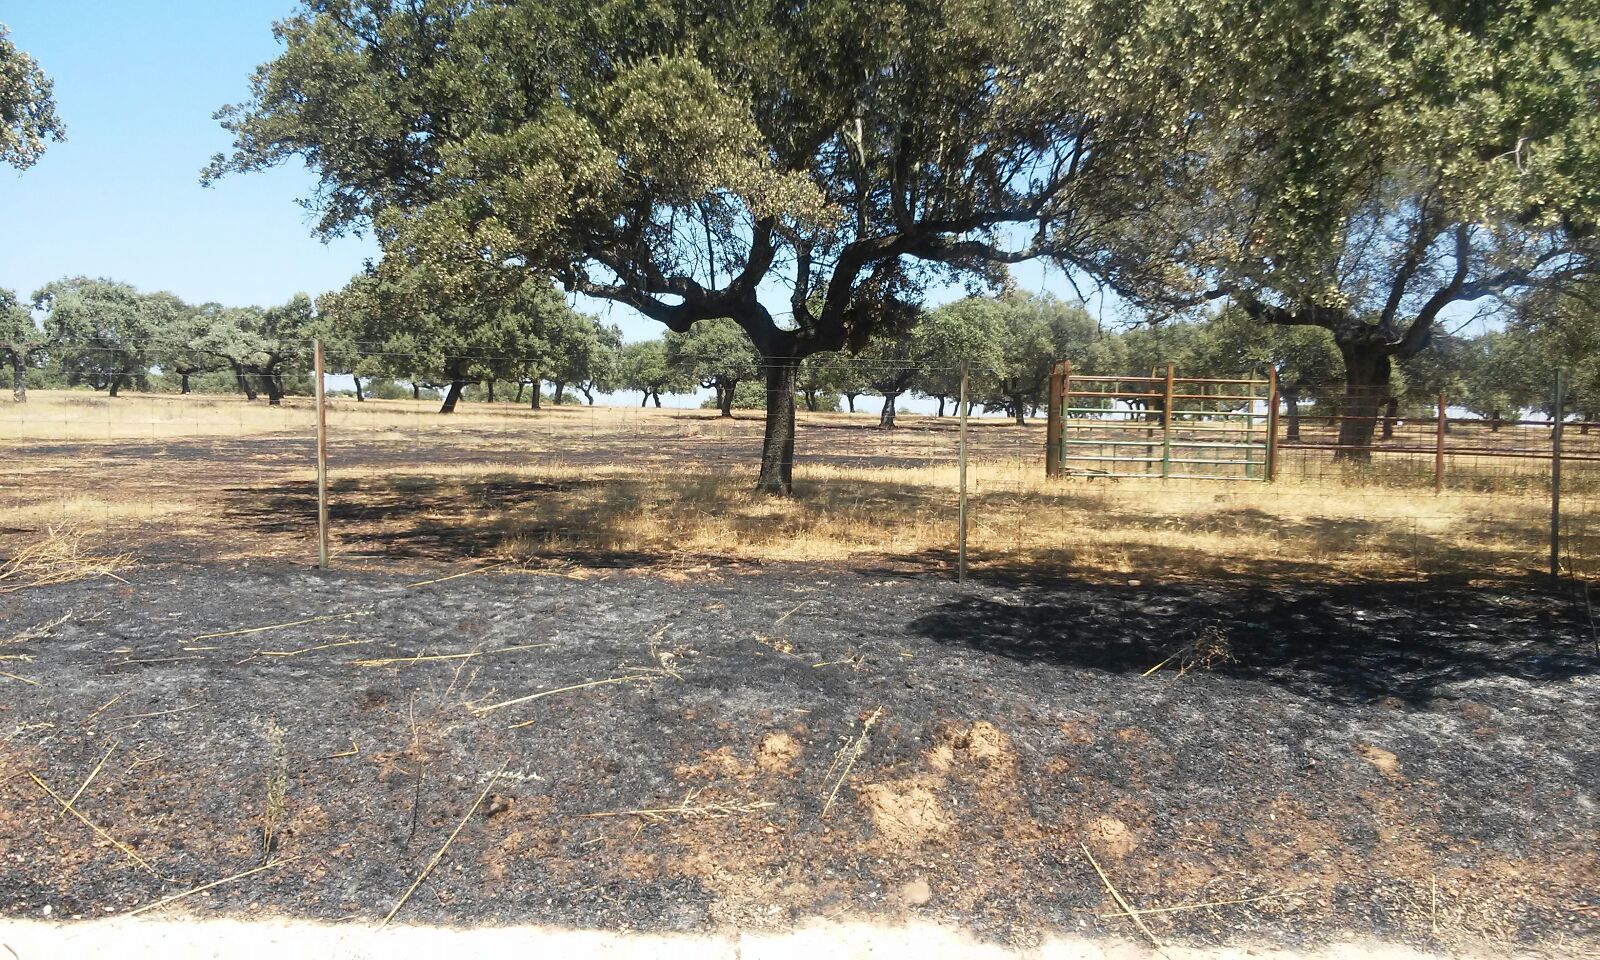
[(804, 169), (1402, 158)]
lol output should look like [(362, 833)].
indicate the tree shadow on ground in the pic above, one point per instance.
[(425, 518), (1344, 641)]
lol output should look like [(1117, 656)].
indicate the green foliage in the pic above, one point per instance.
[(1401, 156), (22, 343), (715, 355), (644, 366), (585, 354), (27, 107), (1554, 330), (1025, 335), (105, 332), (679, 158), (1233, 343), (181, 345), (748, 395), (381, 388), (271, 345), (20, 338), (829, 373), (397, 324)]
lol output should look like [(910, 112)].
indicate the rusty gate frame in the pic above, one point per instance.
[(1066, 418)]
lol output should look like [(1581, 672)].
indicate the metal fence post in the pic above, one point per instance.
[(1272, 423), (1166, 428), (1555, 476), (322, 462), (1438, 448), (961, 511), (1053, 425)]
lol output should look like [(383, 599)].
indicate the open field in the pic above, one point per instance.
[(218, 478), (574, 657)]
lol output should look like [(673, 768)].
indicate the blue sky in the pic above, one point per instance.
[(136, 85)]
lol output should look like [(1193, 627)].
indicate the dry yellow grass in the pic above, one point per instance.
[(76, 416), (646, 486)]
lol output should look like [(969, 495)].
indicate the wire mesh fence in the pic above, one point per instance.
[(598, 476)]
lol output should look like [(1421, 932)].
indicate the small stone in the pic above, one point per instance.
[(916, 893)]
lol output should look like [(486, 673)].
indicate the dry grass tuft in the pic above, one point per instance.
[(276, 802), (690, 807), (60, 557), (845, 759), (1210, 649)]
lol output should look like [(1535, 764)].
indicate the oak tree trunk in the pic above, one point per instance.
[(1390, 411), (777, 447), (725, 399), (453, 395), (941, 406), (886, 418), (359, 395), (1020, 411), (19, 379), (1366, 371), (657, 395), (116, 384), (1291, 410)]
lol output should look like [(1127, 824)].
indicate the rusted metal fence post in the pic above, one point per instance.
[(1166, 427), (961, 472), (1438, 448), (1560, 412), (1272, 424), (1053, 425), (322, 462)]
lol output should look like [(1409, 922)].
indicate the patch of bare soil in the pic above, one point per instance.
[(626, 751)]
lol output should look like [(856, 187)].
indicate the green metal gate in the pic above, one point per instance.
[(1162, 426)]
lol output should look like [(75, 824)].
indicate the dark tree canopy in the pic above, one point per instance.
[(805, 170), (1401, 158)]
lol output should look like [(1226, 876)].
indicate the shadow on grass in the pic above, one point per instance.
[(443, 517), (1289, 621)]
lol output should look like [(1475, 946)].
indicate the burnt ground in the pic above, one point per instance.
[(1414, 762)]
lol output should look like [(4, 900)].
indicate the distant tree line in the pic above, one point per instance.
[(108, 336)]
